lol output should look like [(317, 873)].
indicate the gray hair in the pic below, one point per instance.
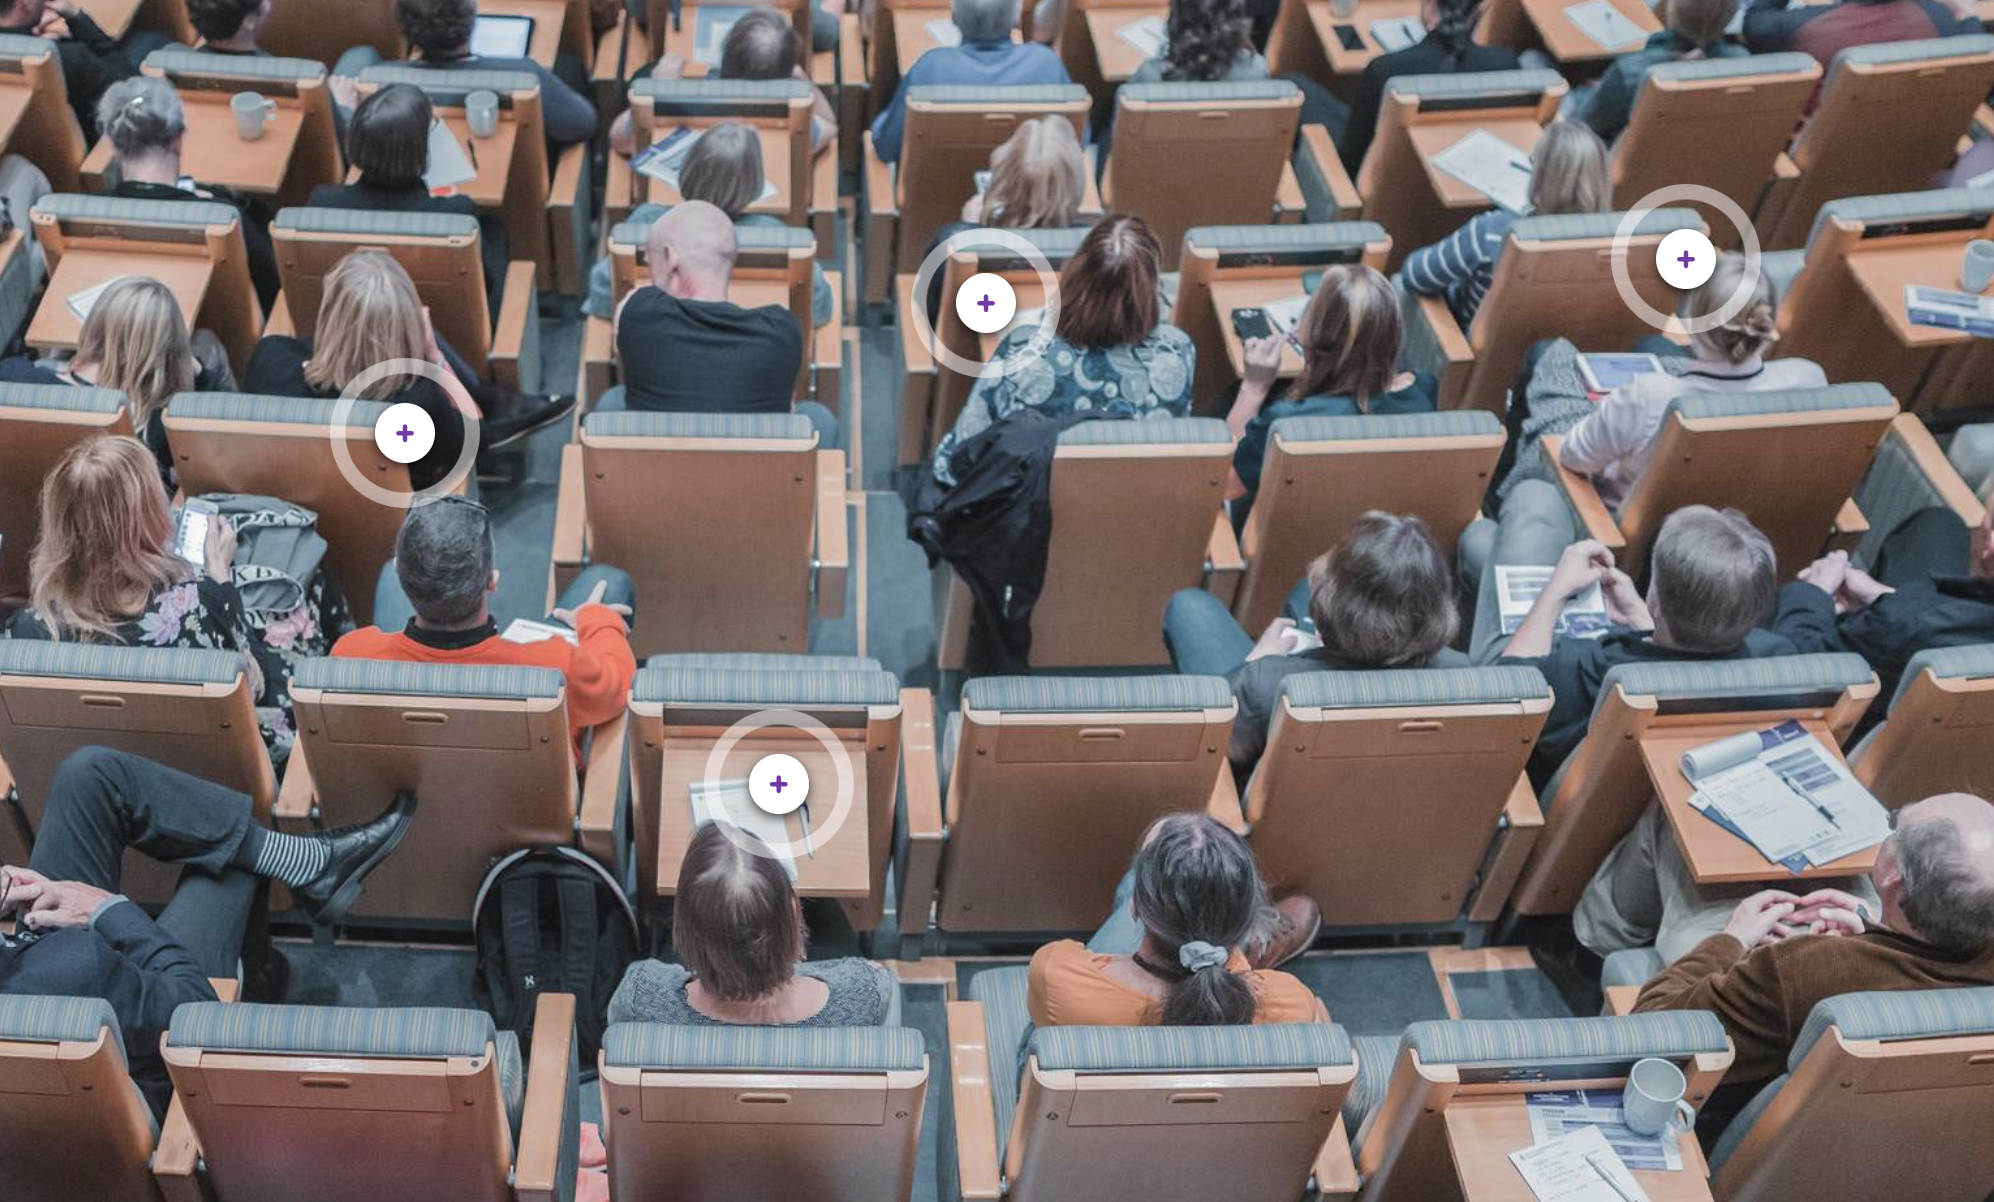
[(141, 115), (1947, 897), (984, 20), (443, 556), (1713, 576)]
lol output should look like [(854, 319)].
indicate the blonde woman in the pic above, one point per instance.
[(370, 313), (136, 342), (1614, 442), (1568, 176), (1037, 179)]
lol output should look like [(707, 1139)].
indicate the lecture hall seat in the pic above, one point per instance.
[(39, 424), (47, 133), (293, 84), (1934, 737), (77, 1128), (778, 110)]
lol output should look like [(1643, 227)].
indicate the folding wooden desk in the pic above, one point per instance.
[(1482, 1132), (911, 38), (1306, 38), (1955, 362), (775, 169), (1433, 137), (1117, 56), (214, 153), (14, 103), (1252, 293), (841, 865), (1571, 45), (56, 328), (1716, 856)]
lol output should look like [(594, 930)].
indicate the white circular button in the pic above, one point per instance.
[(405, 433), (1685, 258), (986, 303), (778, 783)]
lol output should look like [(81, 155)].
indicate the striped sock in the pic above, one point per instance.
[(292, 859)]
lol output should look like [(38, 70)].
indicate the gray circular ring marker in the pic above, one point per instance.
[(841, 807), (342, 409), (925, 329), (1639, 212)]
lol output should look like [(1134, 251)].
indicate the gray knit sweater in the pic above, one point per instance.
[(654, 992)]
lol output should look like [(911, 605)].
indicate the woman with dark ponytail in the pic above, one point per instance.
[(1191, 943), (1209, 41), (1449, 48)]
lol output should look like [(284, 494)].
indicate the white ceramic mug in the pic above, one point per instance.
[(481, 110), (1342, 10), (1977, 271), (251, 111), (1653, 1098)]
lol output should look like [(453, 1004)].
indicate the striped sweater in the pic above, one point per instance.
[(1461, 266)]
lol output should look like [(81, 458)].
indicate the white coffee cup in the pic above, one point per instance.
[(1653, 1098), (481, 110), (1977, 271), (251, 111), (1342, 9)]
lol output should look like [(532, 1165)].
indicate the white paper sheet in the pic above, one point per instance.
[(1556, 1113), (1606, 25), (1783, 791), (1518, 587), (711, 27), (944, 32), (728, 801), (449, 165), (1286, 314), (1490, 166), (664, 159), (1146, 35), (1396, 33), (1579, 1167), (81, 303), (525, 630)]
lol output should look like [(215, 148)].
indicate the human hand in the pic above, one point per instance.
[(1624, 603), (594, 598), (46, 905), (972, 209), (1829, 912), (18, 888), (1827, 572), (52, 26), (62, 8), (1263, 360), (345, 90), (1273, 641), (218, 553), (1584, 564), (1861, 590), (430, 350), (1759, 918)]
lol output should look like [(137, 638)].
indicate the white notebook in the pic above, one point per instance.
[(1490, 166), (448, 164), (1396, 33), (1606, 25), (944, 32), (80, 303), (1146, 35)]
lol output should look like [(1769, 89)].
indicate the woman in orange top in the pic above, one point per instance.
[(1196, 896)]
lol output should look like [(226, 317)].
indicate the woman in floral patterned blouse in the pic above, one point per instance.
[(1109, 351), (104, 571)]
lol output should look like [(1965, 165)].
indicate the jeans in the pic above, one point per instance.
[(1121, 934), (393, 609), (822, 420), (103, 802), (1537, 525), (1206, 640)]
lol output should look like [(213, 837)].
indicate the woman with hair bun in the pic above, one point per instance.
[(1207, 41), (1614, 442)]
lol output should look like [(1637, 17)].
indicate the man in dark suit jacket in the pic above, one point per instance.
[(76, 936), (1933, 587)]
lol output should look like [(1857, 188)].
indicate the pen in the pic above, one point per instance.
[(1593, 1161), (1788, 780), (803, 819)]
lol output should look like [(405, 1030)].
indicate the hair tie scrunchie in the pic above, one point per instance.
[(1198, 955)]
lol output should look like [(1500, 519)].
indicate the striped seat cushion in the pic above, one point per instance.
[(1148, 432), (20, 45), (1475, 85), (173, 61), (790, 687), (1888, 1016), (747, 238), (763, 661), (26, 1019), (275, 410), (1905, 206), (1414, 686), (427, 1032), (1285, 239), (1691, 70), (687, 95), (1209, 93), (158, 214), (1456, 423), (1270, 1046), (1697, 406), (61, 398), (1375, 1056), (512, 1078), (381, 676), (1972, 662), (450, 86), (1081, 694), (764, 1049), (139, 665), (1769, 682), (1007, 1025), (1579, 227), (383, 223), (1546, 1041), (991, 96), (743, 426)]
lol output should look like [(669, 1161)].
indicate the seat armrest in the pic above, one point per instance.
[(622, 191), (1290, 204), (975, 1108), (853, 88), (1325, 184), (1784, 168), (1577, 487), (882, 221), (1938, 470), (227, 989), (1620, 999), (279, 321), (297, 797), (922, 829), (1435, 345), (553, 1103), (1223, 805), (568, 219), (570, 510), (1849, 528), (515, 357), (1522, 823), (1335, 1168), (598, 361), (1224, 565), (834, 557), (601, 788), (1091, 204), (176, 1163)]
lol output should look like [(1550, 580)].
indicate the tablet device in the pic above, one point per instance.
[(1604, 373), (501, 37)]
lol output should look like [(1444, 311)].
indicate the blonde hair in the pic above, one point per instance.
[(370, 313), (1751, 329), (1350, 336), (1569, 172), (1036, 177), (135, 341), (104, 539)]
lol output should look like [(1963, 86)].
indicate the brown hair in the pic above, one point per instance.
[(104, 540), (1108, 288), (1350, 336), (1196, 882), (1713, 578), (1036, 177), (1751, 329), (1701, 23), (735, 922), (370, 313), (387, 140), (1568, 172), (135, 341), (1383, 596), (724, 169), (761, 45)]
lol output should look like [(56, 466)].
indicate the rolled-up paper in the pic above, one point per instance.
[(1712, 758)]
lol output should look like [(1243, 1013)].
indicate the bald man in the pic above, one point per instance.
[(685, 348), (1781, 953)]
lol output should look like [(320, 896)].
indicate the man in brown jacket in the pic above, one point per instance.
[(1782, 953)]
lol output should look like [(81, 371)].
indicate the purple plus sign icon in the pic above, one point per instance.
[(1686, 258), (778, 784), (986, 304), (405, 433)]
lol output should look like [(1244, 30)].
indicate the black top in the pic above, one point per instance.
[(91, 62), (1250, 456), (493, 249), (1942, 611), (277, 368), (1576, 668), (694, 356), (22, 369), (1431, 55), (255, 228)]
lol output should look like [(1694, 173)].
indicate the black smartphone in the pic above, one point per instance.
[(1348, 35), (1251, 323)]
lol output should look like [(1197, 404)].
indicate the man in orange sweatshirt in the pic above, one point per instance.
[(432, 607)]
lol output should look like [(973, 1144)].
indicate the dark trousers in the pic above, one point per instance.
[(1203, 637), (104, 801), (1930, 541)]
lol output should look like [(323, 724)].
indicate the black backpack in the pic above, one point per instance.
[(551, 920)]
